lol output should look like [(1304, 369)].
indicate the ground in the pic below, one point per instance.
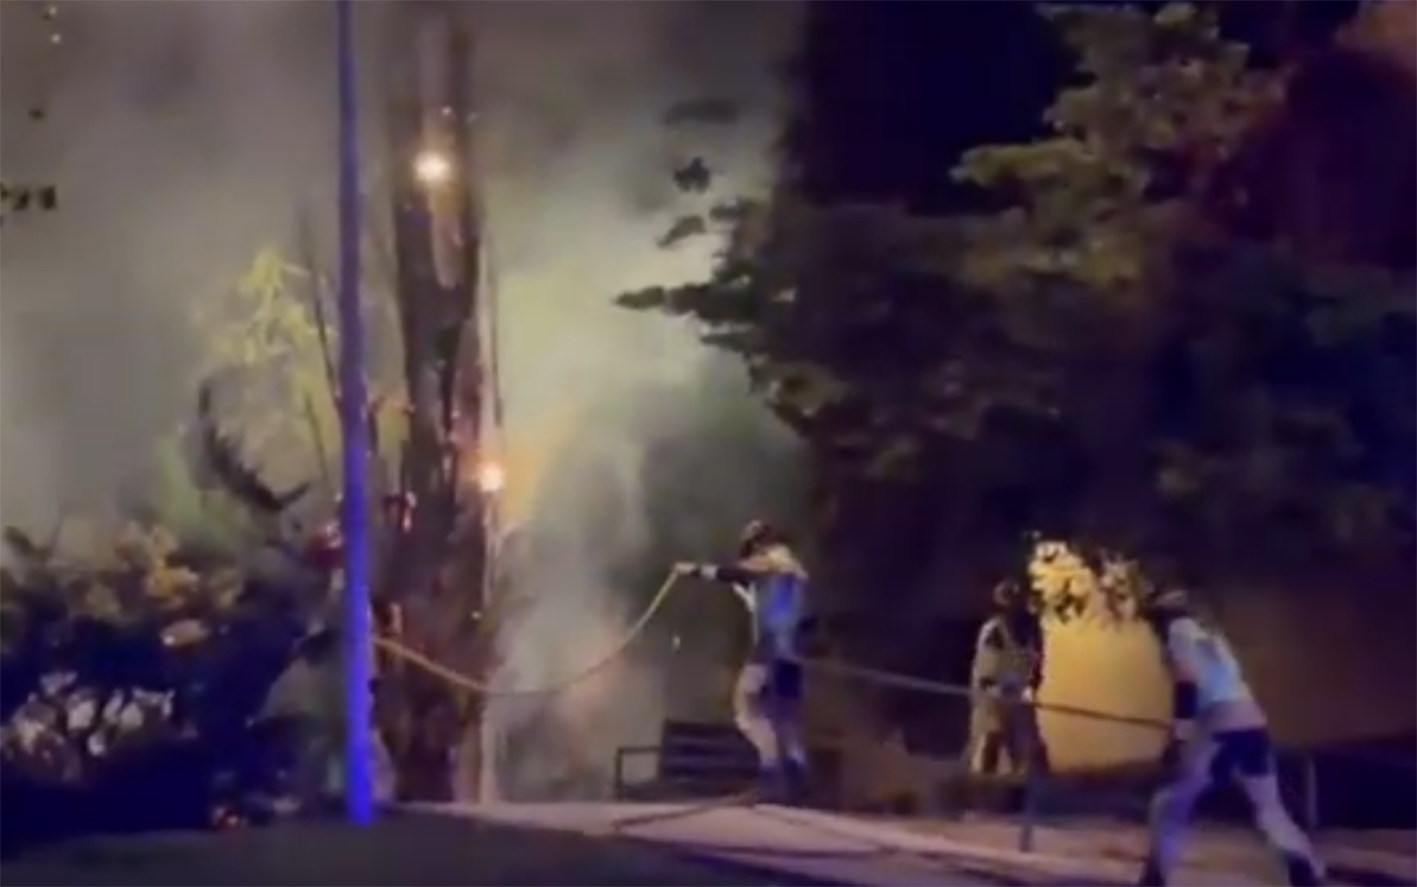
[(425, 849), (875, 851), (678, 844)]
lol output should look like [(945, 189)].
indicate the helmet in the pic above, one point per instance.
[(754, 536), (1008, 594), (1161, 605), (1168, 598)]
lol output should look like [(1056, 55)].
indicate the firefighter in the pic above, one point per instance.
[(1219, 733), (1006, 675), (767, 699)]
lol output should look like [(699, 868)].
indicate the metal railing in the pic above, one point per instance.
[(952, 785), (1067, 793)]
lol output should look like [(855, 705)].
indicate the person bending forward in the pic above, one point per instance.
[(1219, 733)]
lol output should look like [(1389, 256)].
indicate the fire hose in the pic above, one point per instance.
[(839, 669), (458, 679)]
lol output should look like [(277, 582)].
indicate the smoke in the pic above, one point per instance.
[(182, 137), (582, 193), (667, 471), (186, 137)]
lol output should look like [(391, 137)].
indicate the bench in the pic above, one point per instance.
[(691, 760)]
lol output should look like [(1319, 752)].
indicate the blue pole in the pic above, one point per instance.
[(359, 651)]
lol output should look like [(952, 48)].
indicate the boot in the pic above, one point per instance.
[(1151, 874), (772, 785), (795, 782), (1302, 871)]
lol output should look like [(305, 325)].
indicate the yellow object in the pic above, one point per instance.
[(461, 680)]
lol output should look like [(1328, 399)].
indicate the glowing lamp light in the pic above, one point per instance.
[(432, 168), (491, 479)]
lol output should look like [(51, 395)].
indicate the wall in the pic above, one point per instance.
[(1105, 667), (1326, 669), (1331, 667)]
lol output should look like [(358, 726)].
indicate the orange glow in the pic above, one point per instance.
[(432, 168), (491, 478)]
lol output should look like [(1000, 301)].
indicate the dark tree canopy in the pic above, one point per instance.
[(1091, 361), (1328, 172), (887, 96)]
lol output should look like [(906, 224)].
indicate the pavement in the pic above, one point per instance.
[(855, 850), (678, 845), (426, 849)]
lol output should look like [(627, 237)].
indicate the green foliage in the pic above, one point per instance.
[(1287, 410), (263, 322), (839, 339), (1161, 99), (208, 517), (161, 612), (892, 337), (138, 580), (266, 370), (1070, 365), (268, 350), (161, 645)]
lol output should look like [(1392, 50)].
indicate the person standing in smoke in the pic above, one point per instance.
[(767, 700), (1219, 732), (1006, 675)]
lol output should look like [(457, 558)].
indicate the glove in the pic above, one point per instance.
[(811, 636), (685, 568), (1172, 755)]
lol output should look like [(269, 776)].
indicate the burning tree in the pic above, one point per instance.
[(430, 526), (434, 477)]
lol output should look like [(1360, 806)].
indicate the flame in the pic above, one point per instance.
[(515, 470), (491, 477), (432, 168)]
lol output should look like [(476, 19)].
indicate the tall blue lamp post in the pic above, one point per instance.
[(358, 633)]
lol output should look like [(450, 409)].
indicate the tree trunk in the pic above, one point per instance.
[(425, 773), (434, 574), (426, 726)]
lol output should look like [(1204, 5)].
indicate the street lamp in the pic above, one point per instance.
[(358, 633), (432, 168)]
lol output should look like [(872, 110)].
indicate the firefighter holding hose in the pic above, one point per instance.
[(1006, 675), (767, 700), (1219, 733)]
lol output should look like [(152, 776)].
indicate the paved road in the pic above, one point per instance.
[(866, 851), (666, 845), (830, 848), (428, 850)]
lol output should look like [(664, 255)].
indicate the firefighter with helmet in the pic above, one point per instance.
[(767, 698), (1005, 677), (1219, 733)]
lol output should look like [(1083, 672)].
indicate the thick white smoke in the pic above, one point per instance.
[(187, 136), (576, 220)]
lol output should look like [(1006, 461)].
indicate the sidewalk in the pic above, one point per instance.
[(1214, 854), (830, 847), (422, 849), (764, 837), (851, 850)]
